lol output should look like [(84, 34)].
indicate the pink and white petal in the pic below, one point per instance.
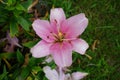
[(76, 25), (41, 49), (80, 46), (68, 77), (78, 75), (43, 30), (61, 74), (48, 59), (62, 54), (64, 28), (57, 16), (50, 74), (54, 28)]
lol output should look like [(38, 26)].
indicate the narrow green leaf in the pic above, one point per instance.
[(7, 55), (23, 22), (13, 28), (33, 61), (27, 3), (5, 71), (20, 7), (20, 57), (9, 2), (9, 8), (30, 44), (30, 78), (25, 72), (4, 74), (16, 73), (36, 69)]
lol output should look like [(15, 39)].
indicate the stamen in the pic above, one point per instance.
[(60, 35), (69, 39), (55, 35)]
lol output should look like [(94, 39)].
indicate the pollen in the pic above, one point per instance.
[(61, 36)]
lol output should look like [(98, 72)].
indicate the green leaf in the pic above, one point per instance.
[(20, 57), (13, 28), (9, 2), (29, 78), (4, 74), (7, 55), (5, 71), (30, 44), (25, 72), (16, 73), (20, 7), (10, 8), (33, 61), (23, 22), (36, 69), (27, 3)]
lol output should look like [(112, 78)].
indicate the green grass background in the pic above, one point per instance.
[(104, 26)]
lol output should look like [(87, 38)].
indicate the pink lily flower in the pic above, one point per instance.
[(60, 37), (53, 74)]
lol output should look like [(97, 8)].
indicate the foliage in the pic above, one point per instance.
[(102, 35), (14, 14)]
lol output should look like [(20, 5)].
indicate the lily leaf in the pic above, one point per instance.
[(20, 7), (30, 44), (4, 74), (7, 55), (23, 22), (25, 72), (20, 57), (13, 28)]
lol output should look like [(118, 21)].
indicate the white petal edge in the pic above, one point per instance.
[(41, 49), (50, 74), (78, 75), (57, 15), (77, 25), (80, 46)]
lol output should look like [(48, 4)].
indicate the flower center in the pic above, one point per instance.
[(60, 37)]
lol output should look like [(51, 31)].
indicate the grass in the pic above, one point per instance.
[(104, 26)]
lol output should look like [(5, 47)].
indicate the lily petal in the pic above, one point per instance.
[(13, 40), (68, 77), (41, 49), (62, 54), (43, 30), (80, 46), (76, 25), (50, 74), (78, 75), (57, 16), (48, 59)]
